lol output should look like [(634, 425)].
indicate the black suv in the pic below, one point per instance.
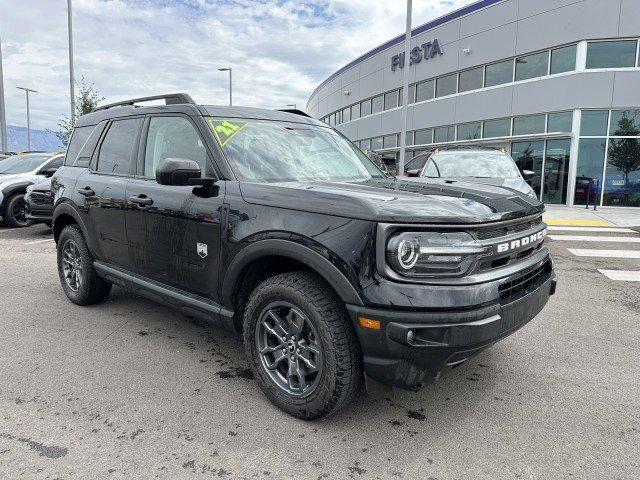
[(274, 225)]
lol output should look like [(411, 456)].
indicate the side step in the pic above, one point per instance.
[(186, 302)]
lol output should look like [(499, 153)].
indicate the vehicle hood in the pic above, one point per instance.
[(6, 178), (518, 184), (43, 186), (397, 200)]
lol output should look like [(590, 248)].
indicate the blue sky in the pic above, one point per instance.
[(280, 50)]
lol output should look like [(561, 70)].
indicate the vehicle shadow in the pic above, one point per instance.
[(452, 396)]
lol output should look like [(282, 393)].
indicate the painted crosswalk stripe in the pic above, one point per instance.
[(589, 238), (39, 241), (622, 275), (591, 252), (552, 228)]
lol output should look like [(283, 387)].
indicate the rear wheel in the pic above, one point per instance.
[(301, 345), (16, 212), (79, 280)]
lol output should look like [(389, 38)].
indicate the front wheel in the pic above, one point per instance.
[(79, 279), (301, 345), (16, 212)]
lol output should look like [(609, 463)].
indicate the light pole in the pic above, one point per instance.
[(405, 92), (228, 69), (3, 116), (27, 90), (71, 76)]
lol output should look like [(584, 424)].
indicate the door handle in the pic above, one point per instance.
[(86, 191), (141, 200)]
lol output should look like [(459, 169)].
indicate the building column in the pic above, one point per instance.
[(573, 156)]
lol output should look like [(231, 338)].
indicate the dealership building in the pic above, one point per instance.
[(555, 82)]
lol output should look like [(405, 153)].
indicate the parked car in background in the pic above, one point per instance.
[(274, 225), (18, 172), (478, 165), (39, 202), (4, 155)]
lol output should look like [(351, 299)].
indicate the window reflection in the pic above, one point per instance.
[(528, 156), (622, 184), (556, 171), (589, 169)]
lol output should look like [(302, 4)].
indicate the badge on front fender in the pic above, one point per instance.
[(201, 248)]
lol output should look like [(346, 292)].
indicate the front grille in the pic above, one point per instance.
[(524, 283), (41, 198), (487, 233)]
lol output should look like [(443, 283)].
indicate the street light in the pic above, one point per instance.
[(228, 69), (3, 117), (405, 92), (27, 90), (71, 77)]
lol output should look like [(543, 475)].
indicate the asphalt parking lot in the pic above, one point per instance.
[(129, 389)]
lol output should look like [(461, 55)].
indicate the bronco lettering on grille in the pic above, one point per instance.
[(522, 242)]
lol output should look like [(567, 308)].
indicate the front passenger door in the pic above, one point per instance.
[(166, 223)]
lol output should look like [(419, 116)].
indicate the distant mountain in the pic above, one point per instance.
[(40, 139)]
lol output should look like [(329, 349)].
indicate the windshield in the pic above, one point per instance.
[(471, 164), (267, 151), (21, 163)]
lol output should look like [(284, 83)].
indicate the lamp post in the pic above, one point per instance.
[(228, 69), (71, 76), (3, 116), (405, 92), (27, 90)]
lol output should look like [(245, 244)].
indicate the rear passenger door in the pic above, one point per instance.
[(101, 190), (174, 235)]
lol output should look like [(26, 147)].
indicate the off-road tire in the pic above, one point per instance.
[(9, 219), (93, 288), (341, 374)]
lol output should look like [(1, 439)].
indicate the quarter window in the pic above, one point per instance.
[(78, 139), (118, 152), (172, 137), (618, 54)]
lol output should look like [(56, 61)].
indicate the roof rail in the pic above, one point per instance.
[(295, 111), (170, 99)]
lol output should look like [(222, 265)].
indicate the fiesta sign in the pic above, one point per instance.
[(417, 54)]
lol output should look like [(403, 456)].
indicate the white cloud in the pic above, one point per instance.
[(279, 50)]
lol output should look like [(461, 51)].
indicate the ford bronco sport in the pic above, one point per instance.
[(272, 224)]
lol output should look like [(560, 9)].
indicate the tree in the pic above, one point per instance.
[(624, 153), (87, 99)]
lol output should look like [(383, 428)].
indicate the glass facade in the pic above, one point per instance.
[(589, 169), (556, 171), (531, 66), (612, 54), (446, 85), (563, 59), (498, 73), (469, 131), (529, 125), (470, 79), (497, 128), (529, 156)]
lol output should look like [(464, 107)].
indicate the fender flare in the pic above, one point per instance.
[(15, 188), (286, 248), (67, 209)]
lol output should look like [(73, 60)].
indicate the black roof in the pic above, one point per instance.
[(189, 107)]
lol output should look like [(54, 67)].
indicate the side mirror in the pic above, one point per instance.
[(528, 175), (49, 172), (179, 172), (412, 173)]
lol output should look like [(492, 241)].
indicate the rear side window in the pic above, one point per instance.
[(80, 135), (118, 149)]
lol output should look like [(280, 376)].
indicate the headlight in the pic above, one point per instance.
[(30, 188), (433, 254)]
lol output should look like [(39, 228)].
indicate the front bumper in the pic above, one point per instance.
[(413, 348)]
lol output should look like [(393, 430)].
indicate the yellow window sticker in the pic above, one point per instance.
[(225, 130)]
